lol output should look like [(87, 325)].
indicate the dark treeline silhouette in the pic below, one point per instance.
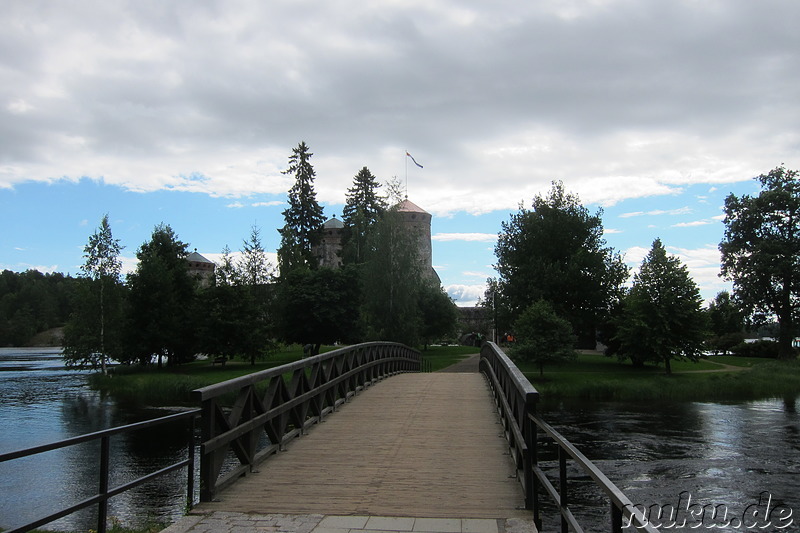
[(32, 302)]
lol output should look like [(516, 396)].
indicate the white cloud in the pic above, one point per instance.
[(465, 295), (657, 212), (210, 98), (692, 224), (472, 274), (469, 237)]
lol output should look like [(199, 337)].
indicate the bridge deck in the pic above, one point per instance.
[(416, 445)]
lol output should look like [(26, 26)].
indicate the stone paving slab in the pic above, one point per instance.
[(232, 522)]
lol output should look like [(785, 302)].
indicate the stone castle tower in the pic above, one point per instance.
[(418, 222), (414, 218), (329, 249)]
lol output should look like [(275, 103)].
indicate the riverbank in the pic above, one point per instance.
[(593, 377), (173, 386), (719, 379)]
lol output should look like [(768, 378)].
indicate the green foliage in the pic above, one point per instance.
[(392, 280), (599, 378), (543, 338), (85, 340), (761, 252), (31, 302), (363, 208), (234, 321), (161, 296), (726, 322), (762, 349), (83, 345), (556, 252), (438, 312), (661, 319), (253, 268), (303, 218), (318, 306)]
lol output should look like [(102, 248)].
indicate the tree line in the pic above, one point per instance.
[(560, 287), (32, 302), (161, 314)]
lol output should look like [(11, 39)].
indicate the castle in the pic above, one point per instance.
[(414, 218)]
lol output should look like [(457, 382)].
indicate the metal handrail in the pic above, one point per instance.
[(104, 492), (516, 402), (294, 397)]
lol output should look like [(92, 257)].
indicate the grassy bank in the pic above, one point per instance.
[(173, 386), (598, 378)]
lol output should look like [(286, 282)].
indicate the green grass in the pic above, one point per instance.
[(173, 386), (439, 357), (598, 378)]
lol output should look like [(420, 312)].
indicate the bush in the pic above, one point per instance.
[(762, 349)]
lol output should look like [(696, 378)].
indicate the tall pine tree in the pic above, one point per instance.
[(303, 219), (362, 209)]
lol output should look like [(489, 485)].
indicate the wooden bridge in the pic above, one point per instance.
[(447, 452), (428, 445), (420, 445)]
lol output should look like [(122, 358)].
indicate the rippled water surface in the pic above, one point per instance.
[(720, 454), (727, 454), (42, 402)]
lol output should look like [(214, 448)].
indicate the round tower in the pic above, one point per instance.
[(329, 251), (418, 222)]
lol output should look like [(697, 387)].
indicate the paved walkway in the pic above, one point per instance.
[(414, 453), (223, 521)]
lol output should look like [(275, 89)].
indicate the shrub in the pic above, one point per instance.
[(763, 349)]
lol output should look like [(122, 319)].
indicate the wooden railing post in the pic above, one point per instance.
[(190, 466), (207, 423)]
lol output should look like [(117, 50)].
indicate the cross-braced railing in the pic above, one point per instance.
[(282, 403), (516, 404)]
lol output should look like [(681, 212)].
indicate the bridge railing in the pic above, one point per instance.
[(282, 403), (105, 492), (516, 402)]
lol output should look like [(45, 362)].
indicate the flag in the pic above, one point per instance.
[(414, 160)]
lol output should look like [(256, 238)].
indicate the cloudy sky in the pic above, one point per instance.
[(185, 112)]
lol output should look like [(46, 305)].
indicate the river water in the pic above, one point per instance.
[(740, 457), (42, 402), (689, 459)]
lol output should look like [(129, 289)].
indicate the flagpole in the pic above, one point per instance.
[(406, 158)]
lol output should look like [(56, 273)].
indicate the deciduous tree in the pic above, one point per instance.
[(761, 252), (161, 298), (319, 306), (542, 337), (662, 318), (439, 314), (556, 252), (392, 278), (726, 322), (103, 267)]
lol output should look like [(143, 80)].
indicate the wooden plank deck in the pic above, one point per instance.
[(417, 445)]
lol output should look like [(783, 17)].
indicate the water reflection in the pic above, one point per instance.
[(719, 453), (43, 403)]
